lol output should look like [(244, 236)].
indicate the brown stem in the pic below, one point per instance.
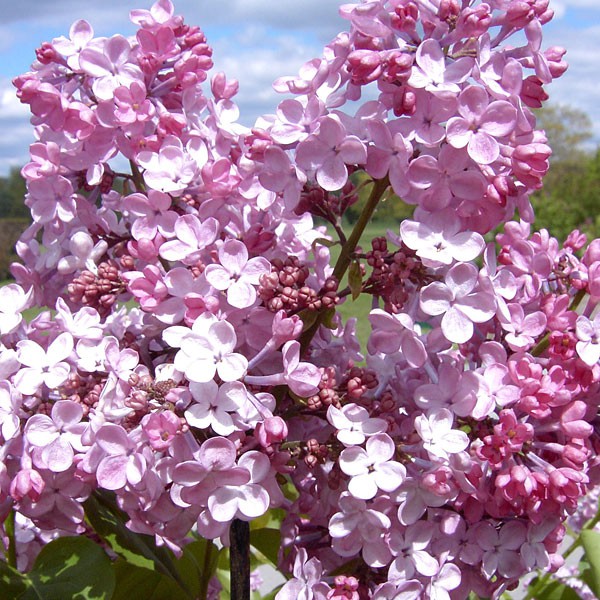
[(239, 560), (345, 257)]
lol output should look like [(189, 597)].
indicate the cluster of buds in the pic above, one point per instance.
[(286, 287)]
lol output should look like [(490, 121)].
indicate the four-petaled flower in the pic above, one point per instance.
[(371, 469), (237, 274)]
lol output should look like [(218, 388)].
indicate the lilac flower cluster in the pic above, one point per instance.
[(191, 360)]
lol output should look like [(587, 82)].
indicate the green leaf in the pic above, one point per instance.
[(587, 576), (223, 574), (12, 583), (309, 318), (558, 591), (137, 582), (267, 542), (70, 567), (355, 279), (329, 318), (272, 519), (591, 544), (197, 565), (137, 549)]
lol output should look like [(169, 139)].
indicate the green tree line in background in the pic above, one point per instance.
[(570, 198)]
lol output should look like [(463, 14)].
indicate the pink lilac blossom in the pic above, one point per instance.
[(197, 366)]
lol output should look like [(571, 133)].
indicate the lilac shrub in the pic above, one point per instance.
[(190, 362)]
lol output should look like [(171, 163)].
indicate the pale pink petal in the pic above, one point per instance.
[(363, 486), (456, 326), (111, 472), (232, 367)]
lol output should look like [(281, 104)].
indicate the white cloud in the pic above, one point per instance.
[(559, 8), (284, 14), (256, 59), (587, 4), (256, 41), (17, 133)]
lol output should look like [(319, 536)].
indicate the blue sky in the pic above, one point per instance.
[(256, 41)]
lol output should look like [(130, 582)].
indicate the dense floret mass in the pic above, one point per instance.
[(190, 360)]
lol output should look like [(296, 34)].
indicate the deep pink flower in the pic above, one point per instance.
[(161, 428)]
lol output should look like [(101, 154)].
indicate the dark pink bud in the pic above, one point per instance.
[(223, 89), (532, 92), (365, 66), (27, 482), (272, 430)]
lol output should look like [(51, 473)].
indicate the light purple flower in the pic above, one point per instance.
[(440, 440), (43, 366), (433, 74), (110, 65), (171, 169), (207, 350), (522, 330), (122, 463), (396, 332), (588, 334), (460, 301), (354, 424), (329, 151), (193, 236), (389, 155), (480, 123), (439, 238), (55, 436), (371, 469), (237, 274), (246, 501), (303, 378), (10, 405), (13, 300), (410, 552), (213, 405)]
